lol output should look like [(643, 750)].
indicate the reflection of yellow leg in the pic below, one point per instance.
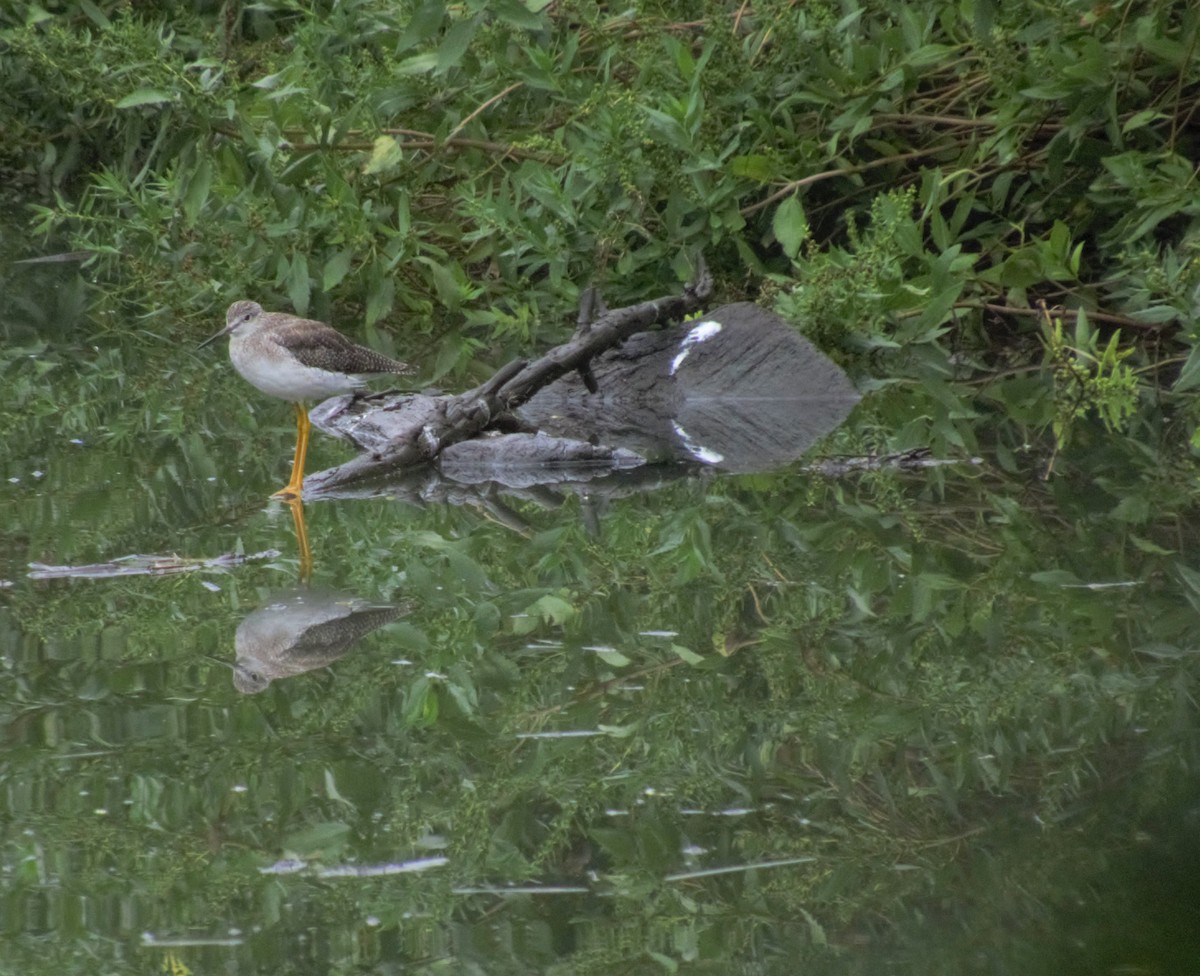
[(306, 563), (173, 966), (295, 486)]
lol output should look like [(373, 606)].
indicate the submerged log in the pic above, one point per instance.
[(736, 388)]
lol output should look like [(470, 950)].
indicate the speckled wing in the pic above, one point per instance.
[(321, 347)]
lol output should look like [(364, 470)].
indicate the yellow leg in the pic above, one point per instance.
[(295, 486)]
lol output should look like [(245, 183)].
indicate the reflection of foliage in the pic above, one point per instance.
[(913, 682)]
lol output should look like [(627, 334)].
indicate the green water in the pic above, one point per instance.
[(930, 721)]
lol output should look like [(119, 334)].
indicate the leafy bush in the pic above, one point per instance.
[(908, 181)]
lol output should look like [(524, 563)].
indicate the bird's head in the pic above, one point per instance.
[(241, 315), (250, 676)]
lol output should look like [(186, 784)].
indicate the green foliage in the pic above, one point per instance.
[(430, 163)]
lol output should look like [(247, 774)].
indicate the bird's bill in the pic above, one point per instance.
[(217, 660), (214, 338)]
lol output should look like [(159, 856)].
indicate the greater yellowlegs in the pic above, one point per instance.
[(298, 360)]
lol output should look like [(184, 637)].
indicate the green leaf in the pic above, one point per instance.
[(144, 96), (197, 191), (299, 286), (386, 154), (458, 38), (332, 791), (445, 281), (552, 609), (95, 14), (36, 15), (753, 167), (790, 225), (668, 964), (1140, 119), (336, 268), (686, 655), (464, 697), (418, 64), (1190, 578), (816, 931), (324, 838), (1156, 314), (1146, 545), (1165, 652), (516, 14), (268, 82), (423, 25), (619, 844), (1189, 376), (421, 703), (1055, 577), (613, 658), (381, 293)]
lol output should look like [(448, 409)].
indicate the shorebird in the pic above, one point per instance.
[(298, 360)]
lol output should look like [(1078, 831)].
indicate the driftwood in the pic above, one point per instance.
[(430, 424), (735, 388)]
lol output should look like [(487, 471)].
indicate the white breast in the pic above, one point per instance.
[(269, 368)]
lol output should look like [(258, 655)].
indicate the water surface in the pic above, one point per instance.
[(892, 720)]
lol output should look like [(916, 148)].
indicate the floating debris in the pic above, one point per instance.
[(65, 257), (285, 866), (1121, 584), (729, 812), (522, 890), (735, 868), (147, 566), (380, 870), (293, 866), (564, 734), (175, 942)]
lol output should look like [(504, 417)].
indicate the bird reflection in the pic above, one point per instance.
[(301, 630)]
